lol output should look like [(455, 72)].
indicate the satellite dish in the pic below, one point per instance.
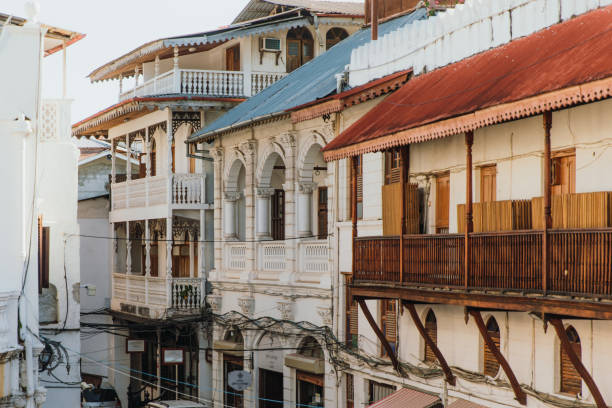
[(239, 380)]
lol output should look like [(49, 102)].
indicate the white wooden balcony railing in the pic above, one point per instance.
[(271, 259), (157, 294), (188, 192), (199, 82)]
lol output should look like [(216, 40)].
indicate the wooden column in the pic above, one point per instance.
[(354, 205), (520, 395), (374, 19), (547, 199), (113, 161), (577, 363), (469, 222), (404, 169), (450, 378), (381, 336)]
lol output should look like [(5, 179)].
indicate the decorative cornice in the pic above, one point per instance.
[(291, 292), (231, 195)]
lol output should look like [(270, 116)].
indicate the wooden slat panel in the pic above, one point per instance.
[(392, 209), (442, 202), (497, 216), (432, 331), (571, 382), (583, 210), (491, 366)]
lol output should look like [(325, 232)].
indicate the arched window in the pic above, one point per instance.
[(310, 347), (232, 361), (300, 48), (491, 366), (431, 328), (334, 36), (571, 382)]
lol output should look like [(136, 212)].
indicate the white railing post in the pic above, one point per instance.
[(247, 79), (177, 74), (135, 81), (156, 74)]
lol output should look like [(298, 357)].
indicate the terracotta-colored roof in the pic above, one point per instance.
[(567, 64), (406, 397), (87, 152), (461, 403), (354, 96)]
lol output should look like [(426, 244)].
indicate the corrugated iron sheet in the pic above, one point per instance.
[(572, 53), (313, 80), (405, 398), (461, 403)]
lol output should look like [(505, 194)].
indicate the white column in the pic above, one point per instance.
[(177, 77), (135, 81), (169, 238), (229, 214), (64, 81), (192, 265), (128, 161), (156, 74), (262, 218), (147, 249), (304, 210), (120, 85)]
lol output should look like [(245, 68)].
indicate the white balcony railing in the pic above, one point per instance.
[(313, 257), (271, 256), (158, 294), (235, 253), (200, 82), (188, 192)]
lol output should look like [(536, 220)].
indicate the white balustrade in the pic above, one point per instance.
[(187, 293), (204, 83), (188, 189), (235, 256), (271, 256), (262, 80), (313, 257)]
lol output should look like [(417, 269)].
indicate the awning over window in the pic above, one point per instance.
[(565, 65), (304, 363), (461, 403), (406, 397)]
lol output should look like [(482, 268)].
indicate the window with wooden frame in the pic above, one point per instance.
[(44, 235), (300, 48), (431, 328), (322, 212), (350, 391), (232, 58), (563, 172), (442, 202), (488, 183), (278, 215), (334, 36), (491, 366), (571, 382), (379, 391), (392, 166), (388, 323), (352, 316), (359, 160)]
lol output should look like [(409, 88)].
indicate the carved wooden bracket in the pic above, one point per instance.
[(516, 387), (450, 378)]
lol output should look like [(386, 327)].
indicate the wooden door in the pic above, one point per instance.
[(300, 48), (322, 213), (278, 215), (442, 202), (142, 165), (571, 382), (232, 58), (294, 59), (491, 366), (488, 183), (564, 173)]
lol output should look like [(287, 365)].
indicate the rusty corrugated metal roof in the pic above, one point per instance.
[(546, 70), (407, 397), (461, 403)]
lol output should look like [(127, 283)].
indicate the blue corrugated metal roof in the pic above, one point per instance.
[(311, 81)]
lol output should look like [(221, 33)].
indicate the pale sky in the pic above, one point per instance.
[(114, 27)]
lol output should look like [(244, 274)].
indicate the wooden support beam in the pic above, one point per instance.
[(520, 395), (584, 374), (374, 19), (547, 199), (381, 336), (450, 378), (404, 168), (469, 219)]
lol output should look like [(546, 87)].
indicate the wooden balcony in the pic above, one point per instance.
[(155, 297), (502, 265), (229, 84)]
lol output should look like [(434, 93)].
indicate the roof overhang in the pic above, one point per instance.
[(55, 38), (407, 397), (98, 124), (565, 65)]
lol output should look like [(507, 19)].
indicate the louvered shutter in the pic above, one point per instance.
[(353, 320), (571, 383), (431, 328), (491, 366)]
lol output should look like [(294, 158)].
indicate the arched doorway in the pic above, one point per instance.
[(571, 382), (334, 36), (234, 209), (271, 199), (270, 371), (310, 369), (313, 191), (491, 366), (300, 48), (233, 360)]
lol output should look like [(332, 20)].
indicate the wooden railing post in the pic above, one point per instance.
[(547, 199), (374, 19), (404, 169), (469, 223), (354, 206)]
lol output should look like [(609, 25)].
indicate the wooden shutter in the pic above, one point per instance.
[(173, 158), (334, 36), (293, 55), (442, 202), (43, 255), (153, 163), (142, 166), (322, 213), (488, 183), (388, 320), (392, 166), (571, 382), (232, 58), (359, 160), (278, 215), (352, 315), (491, 366), (431, 328), (563, 177), (350, 391), (192, 165)]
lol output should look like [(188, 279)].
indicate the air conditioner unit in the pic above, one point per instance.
[(271, 44)]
